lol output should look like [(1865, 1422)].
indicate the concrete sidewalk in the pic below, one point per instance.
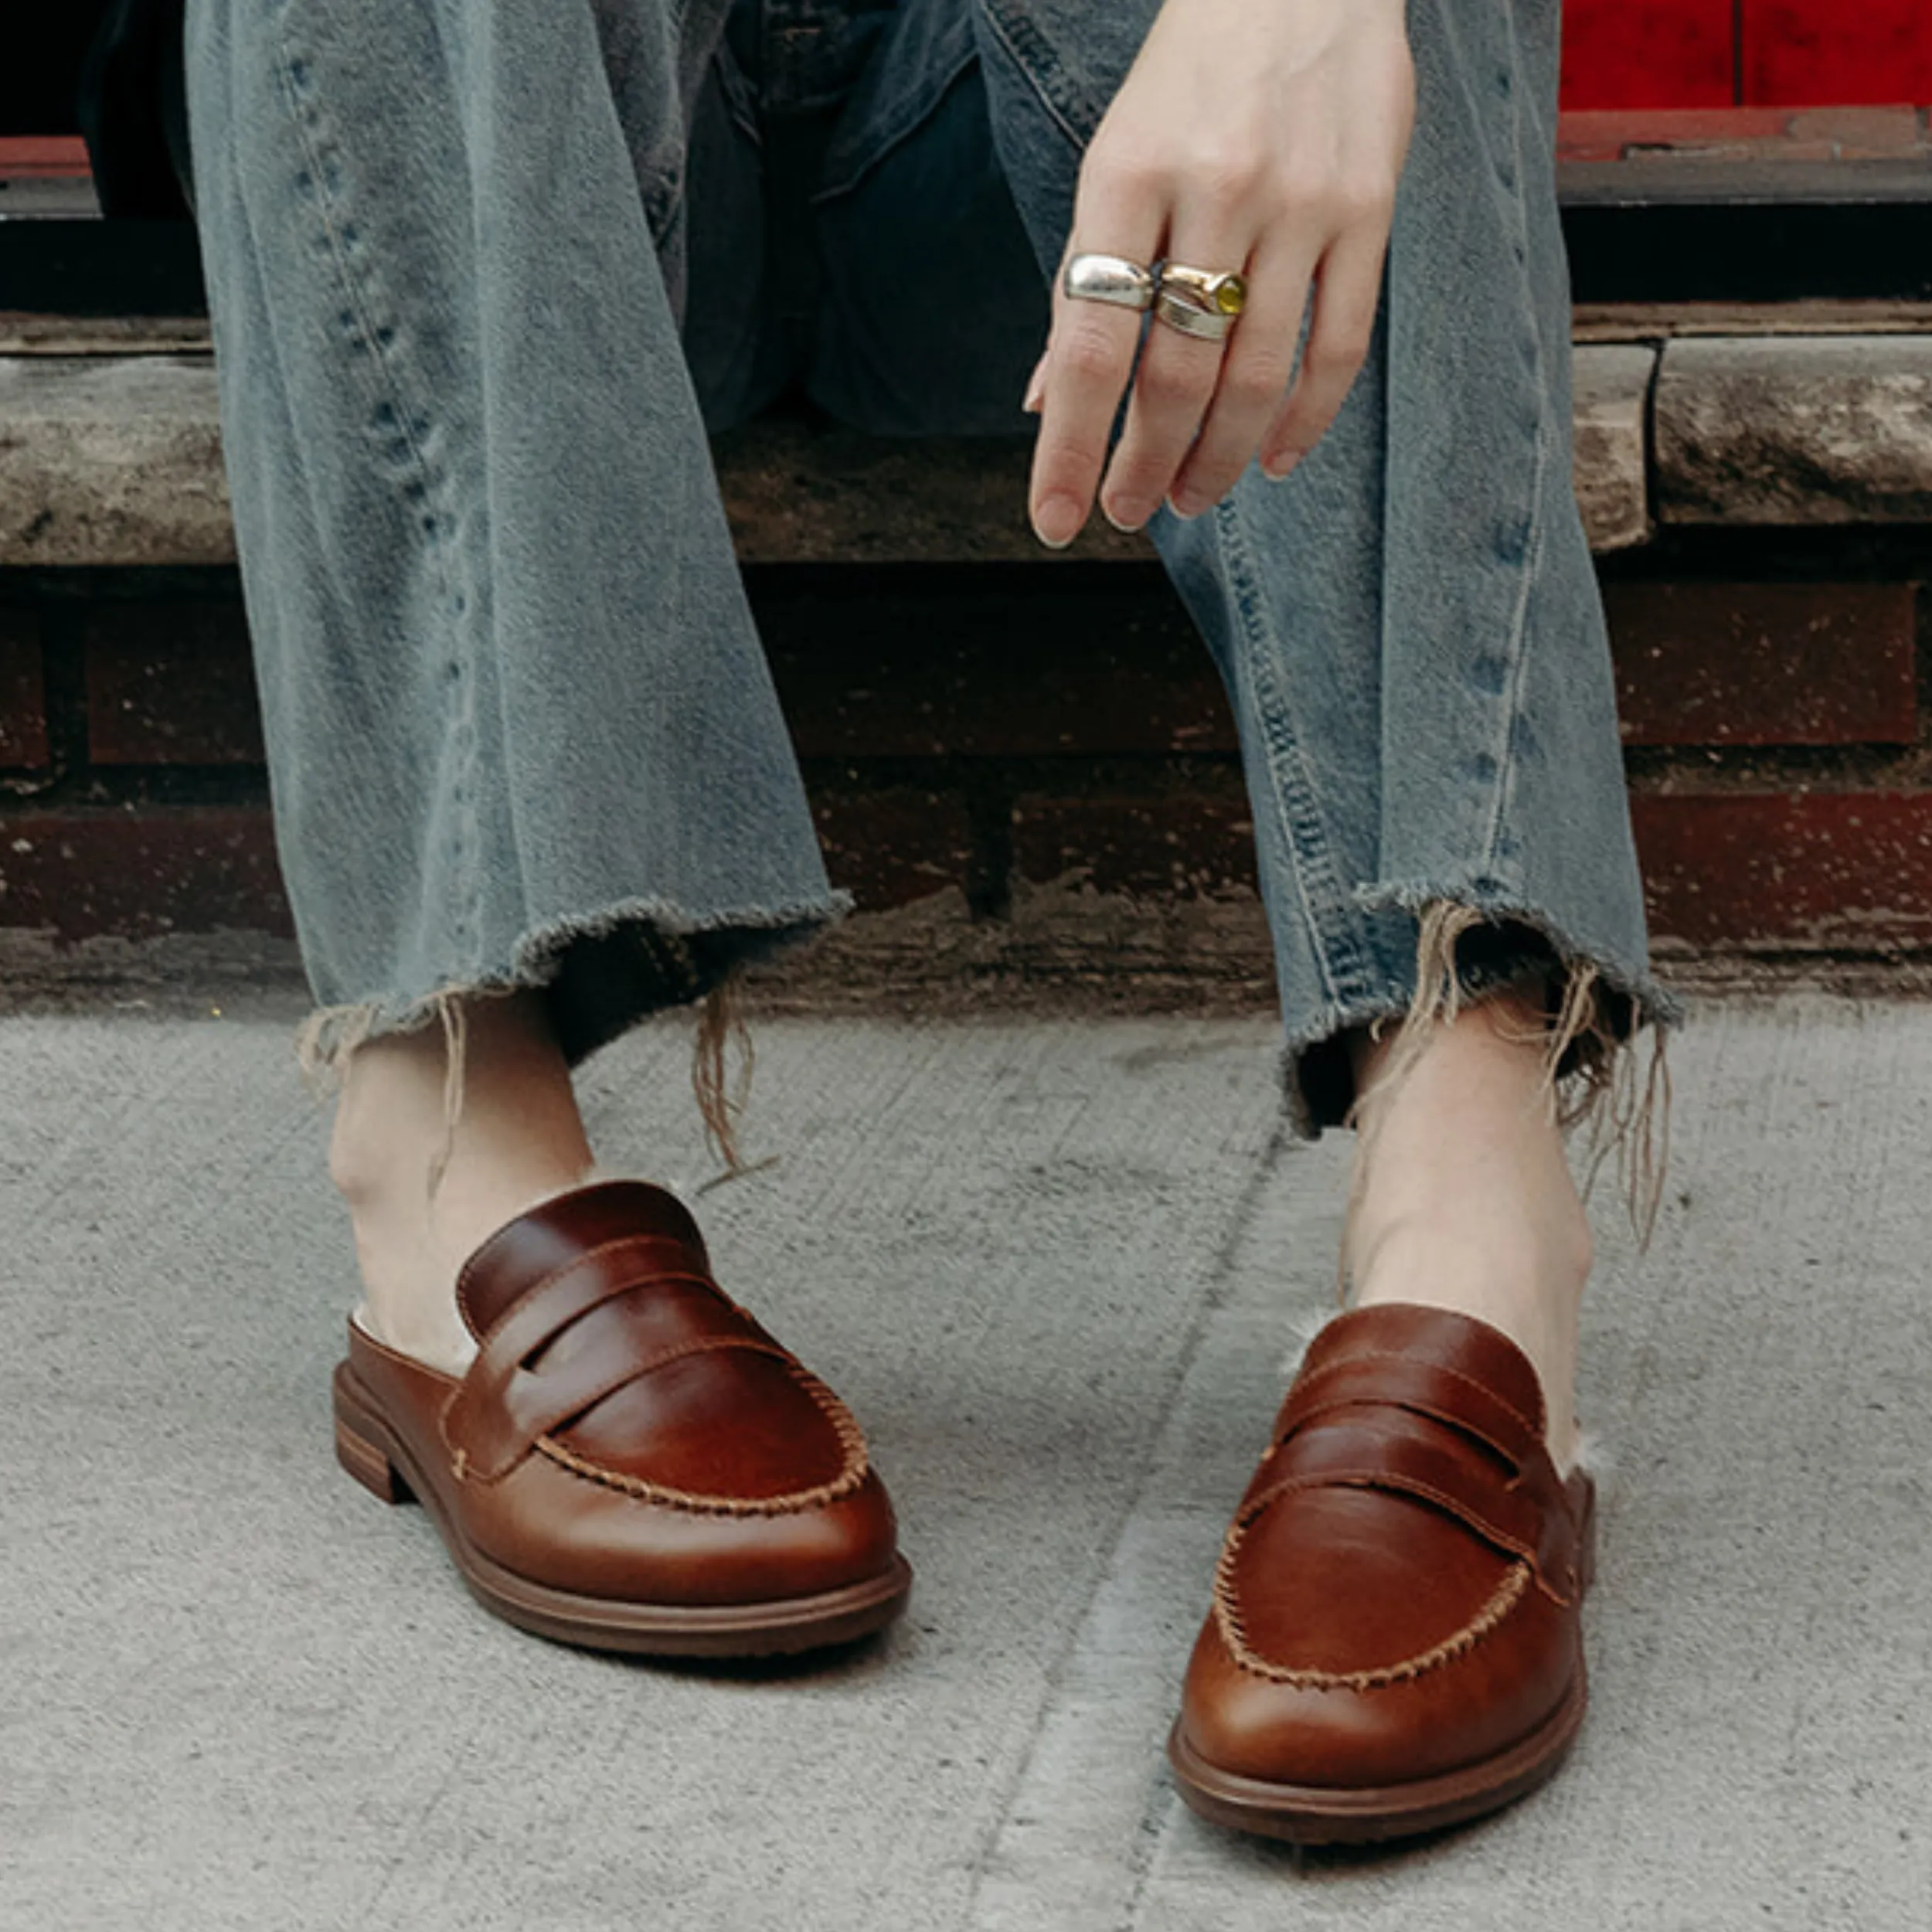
[(1058, 1268)]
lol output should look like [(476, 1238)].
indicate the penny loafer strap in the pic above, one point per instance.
[(1430, 1388), (1397, 1451), (572, 1289), (610, 1317)]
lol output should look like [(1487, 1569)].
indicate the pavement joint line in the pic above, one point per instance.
[(1221, 1276)]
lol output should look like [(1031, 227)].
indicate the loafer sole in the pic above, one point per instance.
[(372, 1452), (1317, 1815)]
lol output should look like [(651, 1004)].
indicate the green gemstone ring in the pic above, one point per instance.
[(1222, 294)]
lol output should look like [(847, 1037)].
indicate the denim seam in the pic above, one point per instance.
[(1339, 955), (1010, 31), (316, 144), (1517, 647)]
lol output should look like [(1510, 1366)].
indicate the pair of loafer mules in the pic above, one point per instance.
[(633, 1463)]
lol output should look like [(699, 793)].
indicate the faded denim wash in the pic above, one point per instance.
[(483, 270)]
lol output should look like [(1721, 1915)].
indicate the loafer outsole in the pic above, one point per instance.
[(376, 1455), (1316, 1814)]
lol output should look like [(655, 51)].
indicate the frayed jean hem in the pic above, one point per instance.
[(600, 973), (1495, 941)]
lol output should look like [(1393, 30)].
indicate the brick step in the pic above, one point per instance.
[(1046, 784), (1054, 758), (1109, 667)]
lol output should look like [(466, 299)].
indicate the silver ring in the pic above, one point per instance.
[(1108, 278), (1206, 324)]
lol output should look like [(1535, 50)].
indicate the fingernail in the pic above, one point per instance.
[(1120, 523), (1056, 521), (1036, 389), (1276, 468), (1186, 507)]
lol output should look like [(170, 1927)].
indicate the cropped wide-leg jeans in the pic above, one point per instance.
[(484, 273)]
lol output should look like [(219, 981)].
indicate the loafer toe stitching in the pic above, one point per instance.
[(1228, 1622), (581, 1304), (854, 1469), (1278, 1733), (1385, 1439)]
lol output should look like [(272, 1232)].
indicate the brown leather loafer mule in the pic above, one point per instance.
[(631, 1462), (1395, 1644)]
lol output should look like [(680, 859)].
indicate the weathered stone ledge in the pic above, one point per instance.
[(112, 459), (1820, 430)]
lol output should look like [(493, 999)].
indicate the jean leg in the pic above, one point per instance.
[(521, 732), (1409, 628)]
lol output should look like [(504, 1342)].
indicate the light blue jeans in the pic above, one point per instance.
[(482, 273)]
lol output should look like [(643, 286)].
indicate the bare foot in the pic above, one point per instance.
[(424, 1191), (1464, 1196)]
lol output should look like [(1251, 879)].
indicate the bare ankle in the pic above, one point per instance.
[(1463, 1198), (431, 1167)]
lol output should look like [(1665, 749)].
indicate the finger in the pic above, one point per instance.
[(1255, 375), (1347, 294), (1089, 358), (1036, 389), (1173, 387)]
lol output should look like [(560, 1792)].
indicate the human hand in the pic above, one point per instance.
[(1262, 135)]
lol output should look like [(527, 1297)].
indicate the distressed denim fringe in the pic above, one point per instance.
[(1601, 1086), (722, 1056)]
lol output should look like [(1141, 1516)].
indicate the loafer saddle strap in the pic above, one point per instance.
[(620, 1310), (1394, 1450), (1429, 1388)]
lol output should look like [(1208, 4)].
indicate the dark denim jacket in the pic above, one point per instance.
[(133, 110)]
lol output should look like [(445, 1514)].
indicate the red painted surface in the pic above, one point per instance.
[(895, 846), (1186, 848), (1649, 53), (80, 872), (1713, 53), (1811, 52), (41, 155), (170, 683)]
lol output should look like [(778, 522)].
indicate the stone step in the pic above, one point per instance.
[(114, 459)]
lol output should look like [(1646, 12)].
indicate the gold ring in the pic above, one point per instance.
[(1224, 294)]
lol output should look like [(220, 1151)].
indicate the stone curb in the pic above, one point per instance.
[(115, 459), (1796, 430)]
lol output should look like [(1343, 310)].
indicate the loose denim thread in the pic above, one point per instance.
[(328, 1039), (722, 1099), (1589, 1078), (456, 1044), (330, 1035)]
